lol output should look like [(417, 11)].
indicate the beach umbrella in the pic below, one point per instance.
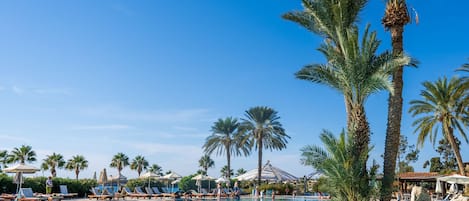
[(20, 169), (171, 176), (269, 173), (149, 175), (102, 177), (200, 178), (221, 180)]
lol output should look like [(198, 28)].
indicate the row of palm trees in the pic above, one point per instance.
[(25, 154), (259, 129)]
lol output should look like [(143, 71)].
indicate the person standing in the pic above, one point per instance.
[(236, 190), (218, 191), (49, 185)]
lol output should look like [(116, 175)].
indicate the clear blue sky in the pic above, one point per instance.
[(150, 77)]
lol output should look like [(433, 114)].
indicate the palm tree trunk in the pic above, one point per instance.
[(393, 129), (456, 151), (228, 163), (259, 161), (361, 137), (76, 173)]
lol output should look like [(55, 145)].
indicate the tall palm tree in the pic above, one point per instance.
[(22, 154), (444, 105), (76, 163), (336, 160), (227, 139), (52, 162), (265, 130), (395, 19), (155, 168), (205, 162), (139, 163), (357, 72), (119, 161)]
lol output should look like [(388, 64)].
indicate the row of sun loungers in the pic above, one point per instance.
[(138, 193), (27, 194)]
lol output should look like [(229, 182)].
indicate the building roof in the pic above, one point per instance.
[(418, 176)]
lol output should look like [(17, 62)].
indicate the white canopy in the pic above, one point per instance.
[(269, 173), (149, 175), (454, 179), (172, 175), (202, 177), (221, 180), (21, 168)]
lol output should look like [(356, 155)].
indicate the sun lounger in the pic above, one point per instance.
[(151, 193), (28, 195), (157, 191), (128, 193), (64, 192), (139, 191), (96, 193)]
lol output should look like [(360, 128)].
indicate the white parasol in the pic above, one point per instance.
[(200, 178), (171, 176), (149, 175), (19, 170)]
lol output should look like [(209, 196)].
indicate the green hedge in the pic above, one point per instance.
[(81, 186)]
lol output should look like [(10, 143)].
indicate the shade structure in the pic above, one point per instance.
[(20, 169), (269, 173), (171, 176), (149, 176), (221, 180), (120, 180), (455, 178), (23, 168), (102, 177), (200, 178)]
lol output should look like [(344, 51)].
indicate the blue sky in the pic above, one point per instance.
[(150, 77)]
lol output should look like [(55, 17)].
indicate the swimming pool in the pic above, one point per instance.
[(249, 198)]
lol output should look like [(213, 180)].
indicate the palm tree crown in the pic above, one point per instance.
[(155, 168), (119, 161), (51, 162), (139, 163), (77, 163), (206, 162), (227, 139), (265, 131), (444, 104), (326, 17), (22, 155)]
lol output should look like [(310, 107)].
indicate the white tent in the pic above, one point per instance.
[(269, 173), (455, 178)]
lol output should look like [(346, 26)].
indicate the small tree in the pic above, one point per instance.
[(407, 154)]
